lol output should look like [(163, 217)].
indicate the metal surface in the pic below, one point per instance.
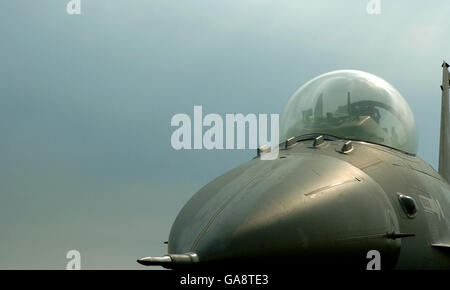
[(444, 147)]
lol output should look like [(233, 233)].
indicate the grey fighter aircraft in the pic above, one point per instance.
[(347, 182)]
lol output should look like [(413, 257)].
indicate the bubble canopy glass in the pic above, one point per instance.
[(352, 105)]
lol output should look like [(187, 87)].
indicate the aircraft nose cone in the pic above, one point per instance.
[(307, 207)]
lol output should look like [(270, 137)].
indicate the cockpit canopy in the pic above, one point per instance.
[(354, 105)]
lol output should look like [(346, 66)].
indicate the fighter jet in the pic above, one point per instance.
[(347, 183)]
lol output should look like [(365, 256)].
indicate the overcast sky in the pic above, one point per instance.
[(86, 102)]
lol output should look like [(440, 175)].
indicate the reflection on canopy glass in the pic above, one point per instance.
[(353, 105)]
